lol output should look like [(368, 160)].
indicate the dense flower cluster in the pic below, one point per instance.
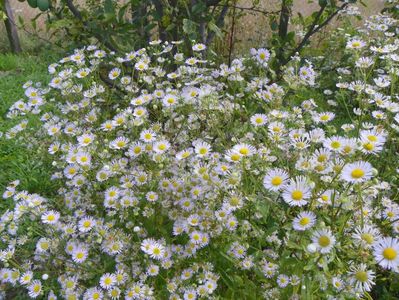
[(182, 179)]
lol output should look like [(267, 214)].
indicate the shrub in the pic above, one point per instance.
[(181, 178)]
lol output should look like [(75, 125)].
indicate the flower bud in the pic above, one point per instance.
[(311, 248)]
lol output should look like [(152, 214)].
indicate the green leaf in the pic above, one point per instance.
[(323, 3), (122, 11), (198, 8), (213, 27), (21, 20), (190, 28), (274, 25), (109, 7)]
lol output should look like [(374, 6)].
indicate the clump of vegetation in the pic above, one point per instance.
[(178, 177)]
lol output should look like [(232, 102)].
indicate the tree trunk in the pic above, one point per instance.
[(11, 28)]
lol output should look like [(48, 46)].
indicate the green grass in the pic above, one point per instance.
[(16, 161)]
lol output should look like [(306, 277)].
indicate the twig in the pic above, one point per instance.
[(264, 12), (232, 35), (313, 29)]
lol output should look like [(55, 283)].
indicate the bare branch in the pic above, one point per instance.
[(313, 29), (253, 9)]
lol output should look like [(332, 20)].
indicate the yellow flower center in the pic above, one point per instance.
[(203, 151), (368, 238), (357, 173), (235, 157), (276, 129), (244, 151), (335, 144), (389, 253), (304, 221), (297, 195), (324, 241), (322, 158), (361, 276), (114, 293), (368, 146), (277, 180)]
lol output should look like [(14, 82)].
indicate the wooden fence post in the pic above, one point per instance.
[(11, 28)]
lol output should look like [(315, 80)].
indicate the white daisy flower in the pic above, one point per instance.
[(161, 146), (35, 288), (199, 47), (359, 171), (275, 179), (85, 139), (119, 143), (86, 224), (141, 66), (361, 278), (202, 149), (50, 217), (297, 192), (107, 281), (259, 120), (355, 44), (83, 158), (114, 73), (304, 221), (169, 100), (26, 277), (148, 136), (386, 253), (79, 254), (324, 240), (245, 149), (184, 153), (153, 270)]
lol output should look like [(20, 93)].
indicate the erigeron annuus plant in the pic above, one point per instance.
[(182, 179)]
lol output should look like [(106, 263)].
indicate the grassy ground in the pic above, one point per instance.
[(17, 162)]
